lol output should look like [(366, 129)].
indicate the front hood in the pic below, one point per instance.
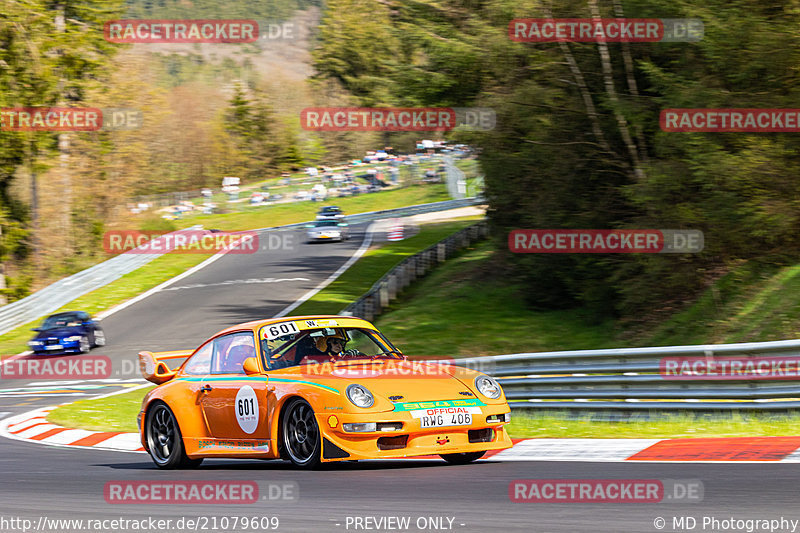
[(58, 333), (394, 380)]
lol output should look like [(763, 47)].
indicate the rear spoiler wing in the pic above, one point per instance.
[(155, 370)]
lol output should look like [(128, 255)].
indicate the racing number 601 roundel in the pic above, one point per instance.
[(246, 406)]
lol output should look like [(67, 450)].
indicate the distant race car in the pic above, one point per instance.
[(328, 230), (70, 332), (330, 212), (314, 389)]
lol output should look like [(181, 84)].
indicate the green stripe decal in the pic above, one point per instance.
[(412, 406), (283, 380), (257, 378)]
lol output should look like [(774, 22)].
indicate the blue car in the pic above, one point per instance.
[(70, 332)]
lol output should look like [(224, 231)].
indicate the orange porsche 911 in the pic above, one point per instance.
[(314, 389)]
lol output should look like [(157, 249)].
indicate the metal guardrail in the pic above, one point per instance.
[(47, 300), (629, 379), (456, 179), (389, 286)]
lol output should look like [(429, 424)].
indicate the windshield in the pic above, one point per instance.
[(326, 223), (61, 321), (325, 344)]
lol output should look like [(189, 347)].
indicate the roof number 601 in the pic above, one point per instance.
[(279, 330)]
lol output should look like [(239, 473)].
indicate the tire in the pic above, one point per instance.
[(164, 440), (99, 338), (302, 440), (84, 345), (462, 458)]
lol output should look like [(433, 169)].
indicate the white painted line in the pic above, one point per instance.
[(67, 437), (574, 449), (355, 257), (15, 357), (26, 423), (124, 441), (36, 430), (3, 414), (123, 391), (219, 255)]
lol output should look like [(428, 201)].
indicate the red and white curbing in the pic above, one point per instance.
[(34, 427)]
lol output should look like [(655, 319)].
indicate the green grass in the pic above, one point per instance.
[(751, 303), (114, 413), (252, 217), (561, 425), (118, 413), (467, 307), (358, 279), (128, 286)]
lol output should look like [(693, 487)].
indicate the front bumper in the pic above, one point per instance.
[(412, 440), (325, 238), (61, 347)]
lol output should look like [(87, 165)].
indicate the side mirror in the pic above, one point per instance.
[(250, 366), (153, 370), (36, 329)]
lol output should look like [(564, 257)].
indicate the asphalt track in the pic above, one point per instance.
[(41, 481)]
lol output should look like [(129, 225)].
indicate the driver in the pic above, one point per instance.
[(333, 345)]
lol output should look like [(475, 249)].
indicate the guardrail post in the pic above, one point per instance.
[(391, 286), (441, 252), (384, 294), (368, 309)]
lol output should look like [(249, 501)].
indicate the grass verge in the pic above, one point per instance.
[(278, 215), (562, 425), (374, 264), (114, 413), (467, 307)]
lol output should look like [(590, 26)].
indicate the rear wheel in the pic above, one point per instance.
[(164, 440), (462, 458), (301, 435)]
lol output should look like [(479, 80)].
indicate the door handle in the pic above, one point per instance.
[(206, 388)]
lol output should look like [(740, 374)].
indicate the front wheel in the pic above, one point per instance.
[(462, 458), (301, 435), (83, 345), (99, 338), (164, 440)]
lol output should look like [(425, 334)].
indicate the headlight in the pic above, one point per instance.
[(488, 387), (34, 343), (73, 338), (360, 396)]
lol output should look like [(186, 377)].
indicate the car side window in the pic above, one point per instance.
[(200, 362), (231, 351)]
